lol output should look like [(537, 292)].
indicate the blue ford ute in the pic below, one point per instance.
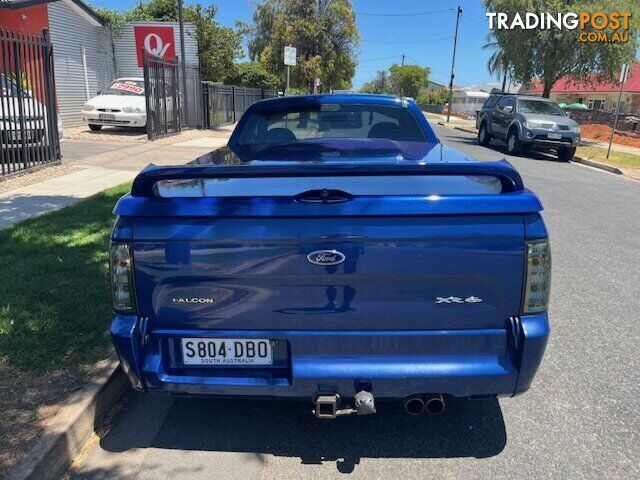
[(335, 253)]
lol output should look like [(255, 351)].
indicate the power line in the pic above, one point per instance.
[(409, 42), (439, 72), (469, 19), (415, 14), (481, 17), (382, 58)]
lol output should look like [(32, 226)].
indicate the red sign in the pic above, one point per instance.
[(156, 40)]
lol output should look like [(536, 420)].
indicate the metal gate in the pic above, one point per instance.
[(161, 89), (225, 104), (29, 124)]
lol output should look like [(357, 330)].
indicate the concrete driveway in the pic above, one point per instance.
[(579, 420), (96, 167)]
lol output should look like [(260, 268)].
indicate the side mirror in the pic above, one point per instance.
[(508, 109), (99, 92)]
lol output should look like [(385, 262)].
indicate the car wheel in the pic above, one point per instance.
[(94, 127), (566, 153), (484, 138), (513, 143)]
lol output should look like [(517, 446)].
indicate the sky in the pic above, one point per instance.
[(425, 40)]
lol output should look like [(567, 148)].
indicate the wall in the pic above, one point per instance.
[(625, 122), (70, 31), (126, 57), (630, 101)]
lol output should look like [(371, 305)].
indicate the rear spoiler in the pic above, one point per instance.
[(143, 185)]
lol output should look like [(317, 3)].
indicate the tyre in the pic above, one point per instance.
[(566, 153), (484, 138), (95, 128), (514, 145)]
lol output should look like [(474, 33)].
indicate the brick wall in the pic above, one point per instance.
[(625, 122)]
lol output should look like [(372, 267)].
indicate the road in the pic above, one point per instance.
[(580, 419)]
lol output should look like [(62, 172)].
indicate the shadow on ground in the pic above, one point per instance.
[(466, 429)]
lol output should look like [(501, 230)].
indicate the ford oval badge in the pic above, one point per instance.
[(326, 257)]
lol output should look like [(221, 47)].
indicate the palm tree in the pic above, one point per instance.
[(498, 63)]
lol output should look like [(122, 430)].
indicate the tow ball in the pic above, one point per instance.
[(326, 406)]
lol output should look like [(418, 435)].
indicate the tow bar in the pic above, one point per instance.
[(327, 405)]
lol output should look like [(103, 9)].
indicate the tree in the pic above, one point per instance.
[(323, 31), (217, 46), (252, 74), (437, 97), (407, 80), (550, 54), (498, 63), (380, 84)]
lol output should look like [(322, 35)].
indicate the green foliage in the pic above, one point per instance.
[(323, 31), (113, 19), (297, 91), (217, 46), (553, 53), (437, 97), (252, 74), (380, 84), (55, 306), (407, 80)]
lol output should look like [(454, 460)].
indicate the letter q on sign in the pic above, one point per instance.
[(157, 40), (153, 44)]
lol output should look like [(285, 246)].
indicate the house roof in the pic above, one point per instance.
[(589, 85), (471, 93), (85, 8)]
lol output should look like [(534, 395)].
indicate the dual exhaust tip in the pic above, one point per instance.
[(326, 406), (433, 404)]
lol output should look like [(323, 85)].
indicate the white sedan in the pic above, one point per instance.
[(120, 105)]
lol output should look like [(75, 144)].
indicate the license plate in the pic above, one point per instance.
[(555, 136), (106, 116), (226, 351)]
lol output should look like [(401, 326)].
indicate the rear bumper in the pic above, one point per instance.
[(463, 363)]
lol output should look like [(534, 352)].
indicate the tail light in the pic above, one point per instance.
[(121, 269), (538, 279)]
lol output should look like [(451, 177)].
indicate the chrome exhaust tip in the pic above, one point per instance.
[(434, 404), (414, 405)]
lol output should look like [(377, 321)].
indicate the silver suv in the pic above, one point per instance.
[(527, 122)]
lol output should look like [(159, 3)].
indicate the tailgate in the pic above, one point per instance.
[(324, 253)]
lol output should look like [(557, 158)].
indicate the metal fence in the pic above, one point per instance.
[(225, 104), (28, 110), (192, 111), (161, 90), (431, 107)]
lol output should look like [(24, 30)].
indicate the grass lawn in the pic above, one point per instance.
[(617, 159), (55, 310)]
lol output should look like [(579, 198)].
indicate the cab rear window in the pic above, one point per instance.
[(266, 128)]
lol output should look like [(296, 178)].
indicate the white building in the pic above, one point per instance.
[(86, 56), (467, 101)]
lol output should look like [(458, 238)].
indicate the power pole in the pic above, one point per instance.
[(403, 59), (453, 62), (184, 58), (623, 78)]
